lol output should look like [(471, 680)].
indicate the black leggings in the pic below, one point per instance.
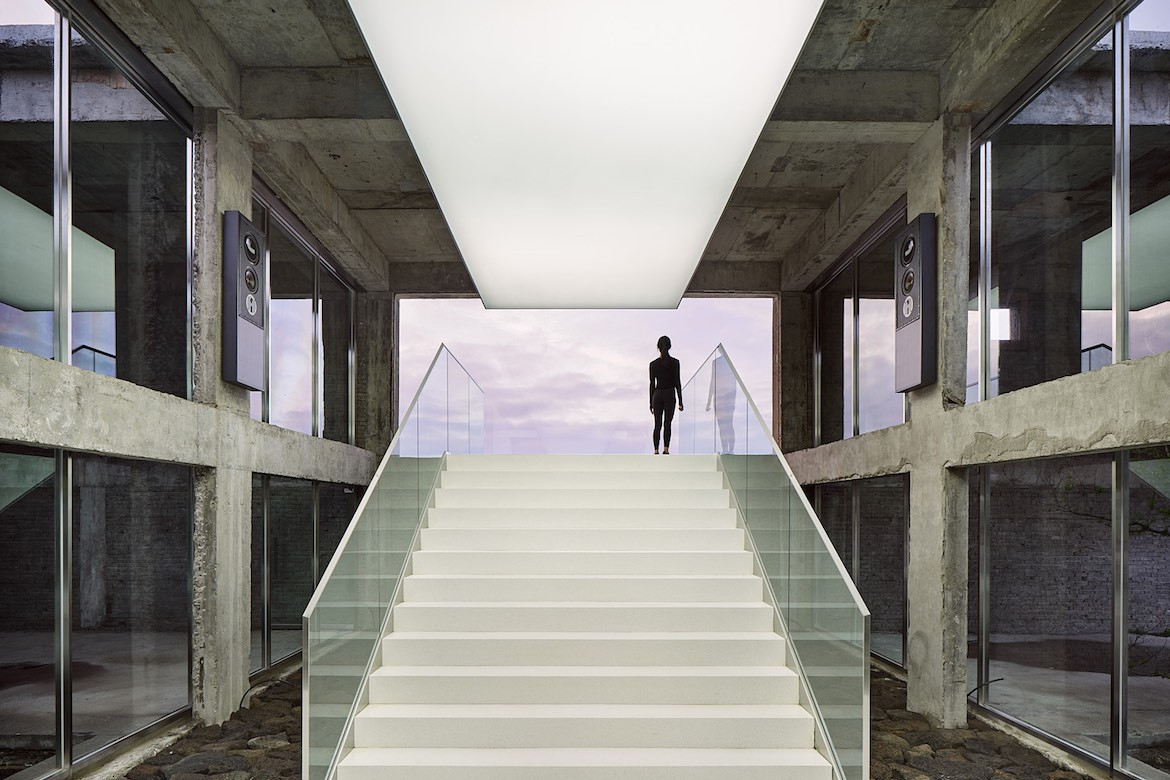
[(663, 413)]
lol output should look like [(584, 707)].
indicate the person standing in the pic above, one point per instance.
[(664, 385)]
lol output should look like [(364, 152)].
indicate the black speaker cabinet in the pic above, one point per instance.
[(916, 293), (244, 291)]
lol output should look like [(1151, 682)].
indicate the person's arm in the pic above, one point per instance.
[(652, 386), (678, 384)]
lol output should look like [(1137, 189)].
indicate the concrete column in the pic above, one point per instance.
[(223, 528), (793, 394), (938, 181), (377, 412)]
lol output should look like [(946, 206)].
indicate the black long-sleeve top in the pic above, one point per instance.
[(664, 376)]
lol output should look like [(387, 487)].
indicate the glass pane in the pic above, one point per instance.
[(836, 515), (336, 504), (27, 656), (1149, 227), (879, 406), (258, 661), (974, 478), (129, 168), (131, 596), (26, 179), (458, 408), (431, 411), (1051, 596), (290, 560), (1051, 195), (881, 575), (723, 400), (1149, 612), (333, 371), (290, 401), (835, 337)]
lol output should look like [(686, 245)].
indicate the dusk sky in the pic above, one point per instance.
[(577, 380)]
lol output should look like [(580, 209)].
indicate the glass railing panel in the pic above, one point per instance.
[(348, 612), (825, 619)]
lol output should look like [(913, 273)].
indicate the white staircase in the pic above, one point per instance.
[(583, 617)]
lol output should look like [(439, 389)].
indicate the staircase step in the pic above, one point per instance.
[(590, 725), (582, 539), (582, 616), (584, 685), (590, 480), (584, 764), (563, 648), (582, 562), (649, 517), (614, 587), (581, 463), (582, 497)]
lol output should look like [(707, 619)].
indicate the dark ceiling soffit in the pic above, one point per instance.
[(300, 233), (894, 216), (93, 23), (1088, 32)]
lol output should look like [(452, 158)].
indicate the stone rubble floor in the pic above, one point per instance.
[(262, 742)]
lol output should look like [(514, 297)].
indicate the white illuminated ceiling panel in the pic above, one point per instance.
[(582, 151)]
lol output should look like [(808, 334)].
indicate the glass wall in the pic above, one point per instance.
[(1052, 212), (310, 345), (27, 648), (1149, 193), (855, 340), (131, 596), (129, 245), (296, 527), (125, 295), (26, 179), (867, 521), (1148, 633)]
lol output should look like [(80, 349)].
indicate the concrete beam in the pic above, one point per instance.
[(291, 173), (859, 96), (354, 92), (1010, 39), (874, 187), (181, 44), (432, 280), (48, 404), (723, 277), (819, 132)]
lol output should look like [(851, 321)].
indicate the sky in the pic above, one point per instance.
[(574, 380)]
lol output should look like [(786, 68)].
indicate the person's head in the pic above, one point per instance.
[(664, 344)]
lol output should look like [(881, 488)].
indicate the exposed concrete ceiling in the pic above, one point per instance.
[(872, 77)]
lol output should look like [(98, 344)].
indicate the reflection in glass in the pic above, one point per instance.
[(835, 338), (1149, 228), (26, 179), (290, 277), (721, 395), (1149, 612), (131, 596), (333, 365), (129, 247), (1051, 214), (881, 575), (1051, 596), (973, 288), (336, 504), (836, 515), (878, 404), (27, 654), (290, 560)]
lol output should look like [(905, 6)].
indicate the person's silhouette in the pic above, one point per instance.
[(664, 384)]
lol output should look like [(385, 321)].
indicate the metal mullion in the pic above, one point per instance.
[(265, 577), (1119, 725), (318, 370), (985, 271), (1121, 181), (190, 269), (906, 574), (984, 660), (856, 350), (855, 522), (316, 514), (266, 395), (62, 341), (816, 368), (352, 367)]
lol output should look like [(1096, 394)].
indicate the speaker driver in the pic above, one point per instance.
[(251, 248), (251, 281), (907, 282), (909, 248)]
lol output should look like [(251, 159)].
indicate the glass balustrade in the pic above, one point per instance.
[(347, 614), (824, 619)]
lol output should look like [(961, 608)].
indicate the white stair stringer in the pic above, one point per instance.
[(578, 618)]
